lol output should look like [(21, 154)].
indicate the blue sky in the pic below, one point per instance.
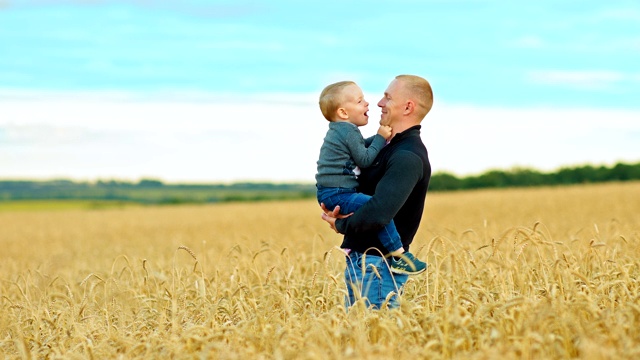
[(84, 84)]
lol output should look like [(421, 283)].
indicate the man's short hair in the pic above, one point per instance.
[(420, 89), (331, 98)]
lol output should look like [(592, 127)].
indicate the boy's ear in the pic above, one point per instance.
[(342, 114)]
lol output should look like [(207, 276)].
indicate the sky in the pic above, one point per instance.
[(223, 91)]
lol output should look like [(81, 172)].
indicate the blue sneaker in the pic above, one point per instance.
[(407, 264)]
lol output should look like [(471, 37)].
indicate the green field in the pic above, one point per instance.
[(34, 205), (149, 191)]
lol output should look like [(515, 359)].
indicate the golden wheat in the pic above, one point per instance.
[(521, 273)]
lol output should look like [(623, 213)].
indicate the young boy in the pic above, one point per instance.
[(343, 153)]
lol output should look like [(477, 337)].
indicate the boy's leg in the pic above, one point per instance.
[(351, 201), (329, 196), (390, 238), (401, 262), (348, 199)]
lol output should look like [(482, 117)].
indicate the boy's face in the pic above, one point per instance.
[(354, 105)]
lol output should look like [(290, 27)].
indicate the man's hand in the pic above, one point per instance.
[(331, 216)]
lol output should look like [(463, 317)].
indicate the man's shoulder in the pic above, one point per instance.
[(410, 157), (412, 145), (409, 154)]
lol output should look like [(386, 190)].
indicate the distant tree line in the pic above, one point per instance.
[(521, 177), (153, 191), (150, 191)]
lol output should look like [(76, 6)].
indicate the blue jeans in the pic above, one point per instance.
[(350, 201), (363, 282)]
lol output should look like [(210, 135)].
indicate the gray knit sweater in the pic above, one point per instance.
[(343, 149)]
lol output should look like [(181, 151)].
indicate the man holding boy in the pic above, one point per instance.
[(397, 181)]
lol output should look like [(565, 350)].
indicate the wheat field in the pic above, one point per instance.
[(540, 273)]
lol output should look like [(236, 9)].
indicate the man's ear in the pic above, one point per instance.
[(409, 107), (342, 114)]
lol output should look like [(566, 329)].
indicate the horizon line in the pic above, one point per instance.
[(300, 181)]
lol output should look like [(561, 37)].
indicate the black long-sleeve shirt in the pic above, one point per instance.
[(398, 181)]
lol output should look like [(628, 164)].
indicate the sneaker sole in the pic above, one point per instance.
[(396, 271)]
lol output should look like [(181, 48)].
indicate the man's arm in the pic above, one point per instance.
[(403, 173)]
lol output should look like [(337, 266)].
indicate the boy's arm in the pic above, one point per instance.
[(369, 140), (393, 190), (362, 154)]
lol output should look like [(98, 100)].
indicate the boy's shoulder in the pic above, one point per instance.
[(342, 125)]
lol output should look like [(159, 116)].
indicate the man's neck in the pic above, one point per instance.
[(402, 128)]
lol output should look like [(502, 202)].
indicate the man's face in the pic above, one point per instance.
[(392, 104), (356, 106)]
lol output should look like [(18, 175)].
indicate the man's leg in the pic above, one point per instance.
[(369, 277)]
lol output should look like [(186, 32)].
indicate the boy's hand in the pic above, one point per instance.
[(385, 131)]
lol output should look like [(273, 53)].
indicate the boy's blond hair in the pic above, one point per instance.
[(421, 89), (331, 98)]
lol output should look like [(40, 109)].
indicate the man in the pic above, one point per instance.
[(398, 182)]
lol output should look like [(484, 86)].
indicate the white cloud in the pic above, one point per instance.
[(277, 137), (44, 135), (89, 136), (472, 139)]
